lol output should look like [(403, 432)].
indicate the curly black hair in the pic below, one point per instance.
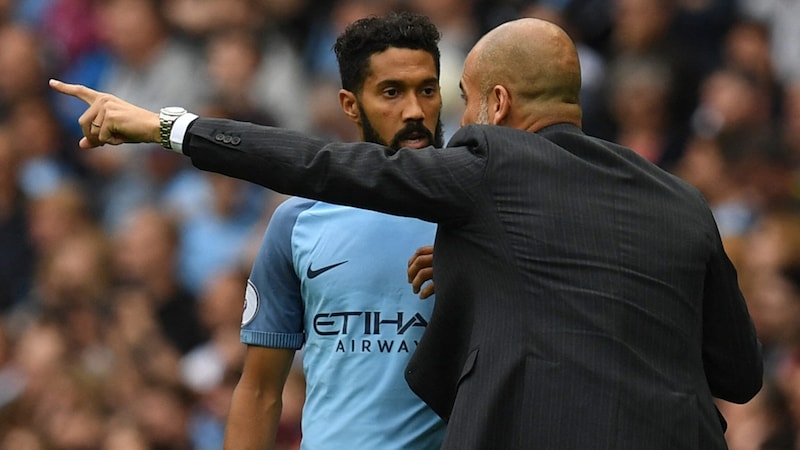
[(365, 37)]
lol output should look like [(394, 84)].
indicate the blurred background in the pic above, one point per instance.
[(122, 272)]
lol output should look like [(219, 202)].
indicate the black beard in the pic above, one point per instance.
[(413, 127)]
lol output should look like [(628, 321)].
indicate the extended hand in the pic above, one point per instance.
[(110, 120), (420, 270)]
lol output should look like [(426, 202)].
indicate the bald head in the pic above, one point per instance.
[(535, 63)]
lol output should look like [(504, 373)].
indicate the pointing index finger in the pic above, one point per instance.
[(76, 90)]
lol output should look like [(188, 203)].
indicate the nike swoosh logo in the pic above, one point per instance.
[(311, 273)]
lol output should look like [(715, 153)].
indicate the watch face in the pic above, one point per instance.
[(173, 110)]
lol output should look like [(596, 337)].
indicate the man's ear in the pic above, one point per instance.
[(499, 105), (349, 105)]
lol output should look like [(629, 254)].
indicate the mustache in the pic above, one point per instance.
[(411, 130)]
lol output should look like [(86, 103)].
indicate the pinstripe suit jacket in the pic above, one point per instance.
[(584, 299)]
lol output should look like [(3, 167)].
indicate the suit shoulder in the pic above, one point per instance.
[(469, 136), (480, 135)]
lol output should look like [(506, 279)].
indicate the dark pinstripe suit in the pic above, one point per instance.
[(584, 300)]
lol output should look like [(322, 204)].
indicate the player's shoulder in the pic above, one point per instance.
[(285, 215), (294, 204), (291, 208)]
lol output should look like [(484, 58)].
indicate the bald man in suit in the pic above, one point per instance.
[(584, 298)]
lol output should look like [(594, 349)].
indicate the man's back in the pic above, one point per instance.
[(335, 277), (609, 303)]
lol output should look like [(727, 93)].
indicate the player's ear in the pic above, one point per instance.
[(349, 105)]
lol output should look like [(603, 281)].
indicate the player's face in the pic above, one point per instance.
[(400, 102)]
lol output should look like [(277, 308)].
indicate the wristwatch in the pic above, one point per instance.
[(166, 118)]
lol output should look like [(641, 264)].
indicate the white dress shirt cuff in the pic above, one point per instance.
[(178, 132)]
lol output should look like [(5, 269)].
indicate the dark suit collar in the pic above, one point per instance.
[(560, 128)]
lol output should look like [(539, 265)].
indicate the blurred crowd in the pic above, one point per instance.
[(122, 271)]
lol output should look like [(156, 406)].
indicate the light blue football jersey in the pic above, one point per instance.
[(332, 280)]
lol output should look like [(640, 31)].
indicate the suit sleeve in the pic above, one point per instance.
[(436, 185), (731, 351)]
